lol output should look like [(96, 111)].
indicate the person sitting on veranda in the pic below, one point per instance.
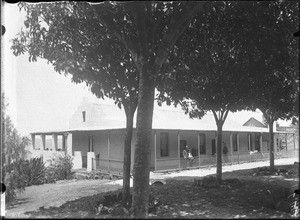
[(191, 158), (225, 151), (187, 155)]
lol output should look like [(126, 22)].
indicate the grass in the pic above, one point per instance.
[(243, 194)]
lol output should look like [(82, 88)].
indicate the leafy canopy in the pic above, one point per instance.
[(208, 62), (274, 60), (77, 43)]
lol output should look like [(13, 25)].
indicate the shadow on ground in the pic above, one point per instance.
[(17, 202), (256, 196)]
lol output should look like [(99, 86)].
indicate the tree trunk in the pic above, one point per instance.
[(127, 157), (272, 166), (219, 152), (143, 145)]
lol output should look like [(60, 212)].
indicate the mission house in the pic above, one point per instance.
[(96, 133)]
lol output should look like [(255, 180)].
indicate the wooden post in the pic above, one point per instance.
[(69, 143), (43, 141), (155, 151), (216, 138), (294, 141), (108, 153), (54, 142), (249, 146), (199, 148), (261, 145), (231, 154), (260, 140), (178, 145), (286, 142), (33, 141), (238, 146)]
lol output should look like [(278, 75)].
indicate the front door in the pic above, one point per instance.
[(213, 145), (257, 142)]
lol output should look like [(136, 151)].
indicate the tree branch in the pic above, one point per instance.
[(226, 113), (175, 29), (114, 30), (215, 115)]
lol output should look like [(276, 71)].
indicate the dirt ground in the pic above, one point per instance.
[(54, 195)]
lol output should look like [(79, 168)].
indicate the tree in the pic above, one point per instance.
[(249, 60), (148, 30), (77, 44), (274, 62), (13, 143), (208, 75)]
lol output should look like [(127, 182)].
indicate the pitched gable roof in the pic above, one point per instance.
[(252, 122), (100, 116), (109, 116)]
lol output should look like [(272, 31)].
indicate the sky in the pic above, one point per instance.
[(39, 98)]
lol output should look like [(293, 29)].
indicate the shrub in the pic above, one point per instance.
[(211, 182), (34, 171), (22, 173), (14, 181), (60, 168), (50, 176)]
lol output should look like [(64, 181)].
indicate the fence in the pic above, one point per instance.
[(110, 165), (162, 164), (211, 160)]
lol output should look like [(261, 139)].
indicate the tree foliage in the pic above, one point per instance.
[(208, 71), (76, 43), (14, 145), (240, 56), (13, 150), (274, 63), (148, 30)]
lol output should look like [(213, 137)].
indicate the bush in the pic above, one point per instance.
[(14, 181), (211, 182), (34, 171), (206, 182), (60, 168), (50, 176), (22, 173)]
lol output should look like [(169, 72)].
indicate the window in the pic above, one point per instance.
[(202, 144), (83, 116), (257, 142), (213, 147), (183, 143), (164, 144), (234, 142), (250, 142), (194, 151)]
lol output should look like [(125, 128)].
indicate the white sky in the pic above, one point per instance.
[(39, 98)]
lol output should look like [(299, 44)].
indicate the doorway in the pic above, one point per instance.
[(213, 147)]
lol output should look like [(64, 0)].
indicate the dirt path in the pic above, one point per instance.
[(57, 194)]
